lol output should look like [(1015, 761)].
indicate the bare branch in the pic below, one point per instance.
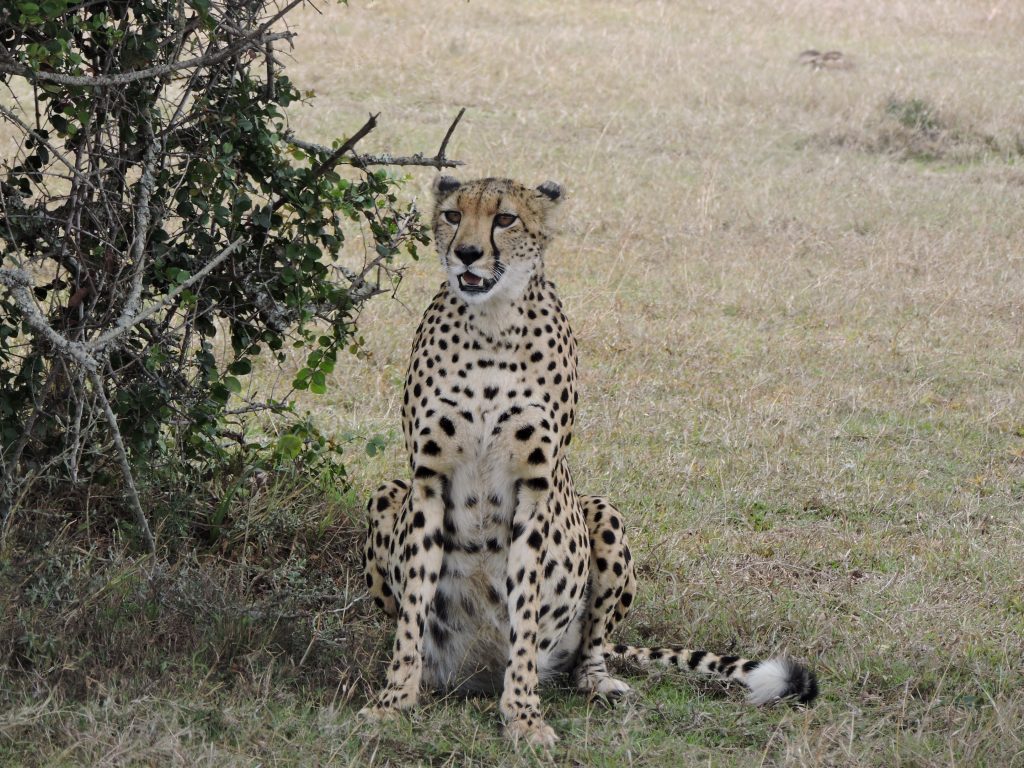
[(365, 161), (29, 132), (347, 146), (125, 323), (122, 455), (334, 158), (268, 54), (438, 161), (142, 219), (19, 281), (123, 78), (447, 136)]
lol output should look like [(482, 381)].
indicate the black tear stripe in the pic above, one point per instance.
[(494, 226)]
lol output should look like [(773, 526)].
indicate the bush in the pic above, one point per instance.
[(159, 203)]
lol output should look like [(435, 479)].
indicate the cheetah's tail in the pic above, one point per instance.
[(767, 681)]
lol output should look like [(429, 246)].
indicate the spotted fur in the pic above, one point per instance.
[(499, 574)]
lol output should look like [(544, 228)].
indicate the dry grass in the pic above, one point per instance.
[(800, 303)]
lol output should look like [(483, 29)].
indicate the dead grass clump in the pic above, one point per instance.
[(256, 593), (79, 617), (914, 128)]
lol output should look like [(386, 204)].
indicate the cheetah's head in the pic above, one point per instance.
[(491, 234)]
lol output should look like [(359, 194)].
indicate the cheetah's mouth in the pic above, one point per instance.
[(471, 283)]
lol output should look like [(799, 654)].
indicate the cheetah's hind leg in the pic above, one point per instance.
[(612, 586)]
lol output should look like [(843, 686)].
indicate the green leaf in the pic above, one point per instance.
[(376, 445), (233, 384), (289, 445), (241, 367), (318, 383), (219, 394)]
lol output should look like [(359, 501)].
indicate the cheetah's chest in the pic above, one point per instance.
[(466, 642)]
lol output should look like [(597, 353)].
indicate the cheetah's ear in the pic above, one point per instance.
[(445, 185), (552, 191)]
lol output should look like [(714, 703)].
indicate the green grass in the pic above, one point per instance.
[(798, 297)]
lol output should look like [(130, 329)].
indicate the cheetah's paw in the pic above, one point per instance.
[(603, 685), (532, 730), (378, 714)]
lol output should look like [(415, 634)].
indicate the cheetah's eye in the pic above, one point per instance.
[(452, 217), (505, 219)]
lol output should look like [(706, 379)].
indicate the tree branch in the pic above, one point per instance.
[(123, 78), (122, 455), (19, 281), (438, 161), (447, 136), (334, 158), (125, 323), (142, 219), (5, 112), (365, 161)]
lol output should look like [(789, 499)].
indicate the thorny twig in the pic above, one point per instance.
[(335, 157), (438, 161)]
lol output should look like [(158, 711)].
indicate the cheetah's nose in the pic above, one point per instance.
[(468, 253)]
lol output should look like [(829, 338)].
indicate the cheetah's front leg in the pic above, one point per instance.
[(419, 538), (520, 704)]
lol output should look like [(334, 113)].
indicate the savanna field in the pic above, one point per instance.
[(799, 296)]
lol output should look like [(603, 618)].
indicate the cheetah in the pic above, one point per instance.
[(500, 575)]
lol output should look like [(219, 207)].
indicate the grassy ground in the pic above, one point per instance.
[(800, 303)]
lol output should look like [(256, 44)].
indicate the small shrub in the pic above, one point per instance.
[(915, 114)]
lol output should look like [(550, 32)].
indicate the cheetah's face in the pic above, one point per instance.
[(491, 234)]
